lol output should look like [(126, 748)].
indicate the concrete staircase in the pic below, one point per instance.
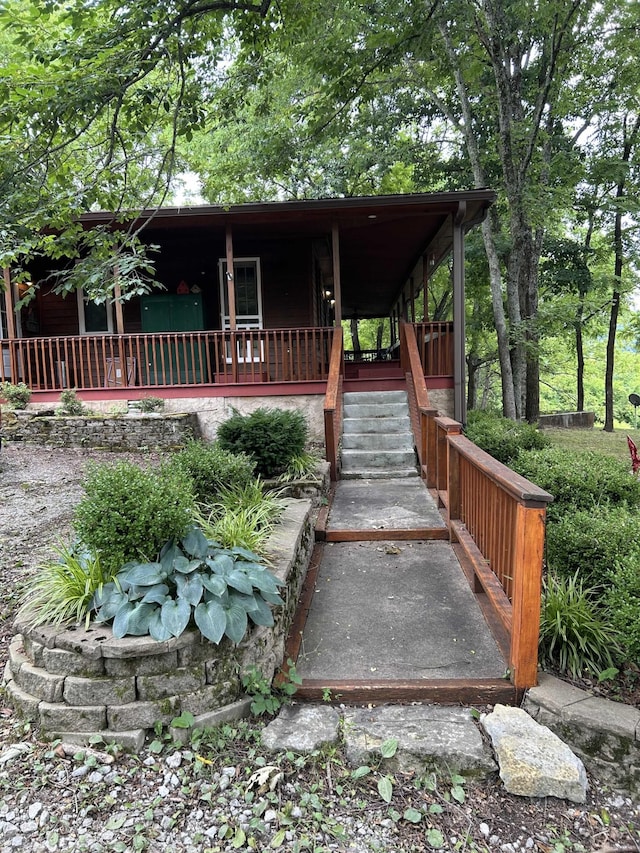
[(377, 441)]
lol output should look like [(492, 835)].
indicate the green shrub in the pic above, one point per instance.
[(196, 580), (270, 436), (578, 479), (502, 437), (623, 600), (70, 403), (574, 635), (591, 542), (150, 404), (129, 513), (212, 469), (16, 395), (63, 589)]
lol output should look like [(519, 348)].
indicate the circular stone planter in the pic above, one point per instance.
[(75, 683)]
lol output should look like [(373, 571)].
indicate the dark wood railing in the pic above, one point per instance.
[(333, 403), (435, 347), (496, 520), (164, 359)]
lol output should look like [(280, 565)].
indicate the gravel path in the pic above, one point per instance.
[(224, 792)]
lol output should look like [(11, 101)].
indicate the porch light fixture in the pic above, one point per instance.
[(328, 294)]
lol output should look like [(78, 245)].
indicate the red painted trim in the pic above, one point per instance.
[(438, 381)]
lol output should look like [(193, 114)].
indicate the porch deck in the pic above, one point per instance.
[(393, 619)]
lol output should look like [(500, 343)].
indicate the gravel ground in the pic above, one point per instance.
[(224, 792)]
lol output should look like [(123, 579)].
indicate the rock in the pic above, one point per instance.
[(302, 728), (533, 761), (428, 737)]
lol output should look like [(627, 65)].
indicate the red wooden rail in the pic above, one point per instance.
[(435, 347), (496, 520), (167, 359), (333, 403)]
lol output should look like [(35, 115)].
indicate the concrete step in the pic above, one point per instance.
[(374, 397), (376, 425), (378, 474), (372, 459), (377, 441), (375, 410)]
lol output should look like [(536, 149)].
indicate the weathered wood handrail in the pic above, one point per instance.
[(163, 359), (333, 403), (434, 342), (497, 519), (420, 412)]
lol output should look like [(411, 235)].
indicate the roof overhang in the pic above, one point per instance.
[(381, 238)]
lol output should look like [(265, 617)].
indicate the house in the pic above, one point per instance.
[(252, 295)]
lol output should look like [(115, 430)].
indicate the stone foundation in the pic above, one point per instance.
[(75, 683), (109, 432)]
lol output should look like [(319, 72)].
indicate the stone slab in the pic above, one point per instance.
[(185, 680), (553, 694), (56, 717), (145, 715), (38, 682), (63, 662), (148, 665), (17, 655), (132, 741), (603, 715), (533, 761), (428, 737), (26, 705), (302, 728), (396, 504), (234, 711), (99, 691)]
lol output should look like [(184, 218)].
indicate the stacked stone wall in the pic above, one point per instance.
[(75, 682), (109, 432)]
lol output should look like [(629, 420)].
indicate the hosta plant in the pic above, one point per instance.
[(195, 581)]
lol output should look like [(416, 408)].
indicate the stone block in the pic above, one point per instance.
[(7, 675), (208, 698), (142, 714), (99, 691), (552, 694), (24, 703), (56, 717), (62, 662), (202, 652), (33, 650), (85, 641), (602, 715), (533, 761), (428, 736), (131, 741), (221, 669), (302, 729), (148, 665), (132, 647), (43, 634), (184, 680), (17, 655), (235, 711), (40, 683)]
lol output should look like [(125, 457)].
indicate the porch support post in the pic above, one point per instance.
[(117, 300), (337, 287), (11, 326), (459, 398), (230, 284)]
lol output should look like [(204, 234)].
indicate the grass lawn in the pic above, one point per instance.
[(611, 443)]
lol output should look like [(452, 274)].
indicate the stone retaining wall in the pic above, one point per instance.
[(75, 683), (605, 734), (110, 432), (567, 420)]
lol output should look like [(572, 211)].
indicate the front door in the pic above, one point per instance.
[(248, 290)]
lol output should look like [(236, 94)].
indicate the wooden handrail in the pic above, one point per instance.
[(420, 410), (333, 403)]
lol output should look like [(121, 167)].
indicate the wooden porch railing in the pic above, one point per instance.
[(496, 519), (333, 403), (164, 359), (435, 347)]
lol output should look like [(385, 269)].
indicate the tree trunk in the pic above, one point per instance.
[(355, 339)]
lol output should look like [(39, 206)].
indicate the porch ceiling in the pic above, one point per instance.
[(381, 237)]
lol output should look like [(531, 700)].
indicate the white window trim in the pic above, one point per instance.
[(243, 321), (81, 318)]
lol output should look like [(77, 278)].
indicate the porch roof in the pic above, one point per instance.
[(381, 237)]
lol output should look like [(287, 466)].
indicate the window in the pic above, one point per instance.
[(246, 278), (94, 318)]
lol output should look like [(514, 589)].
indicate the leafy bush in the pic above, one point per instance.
[(623, 601), (578, 480), (63, 589), (591, 542), (70, 404), (129, 512), (574, 637), (242, 517), (502, 437), (212, 469), (16, 395), (220, 589), (272, 437), (150, 404)]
